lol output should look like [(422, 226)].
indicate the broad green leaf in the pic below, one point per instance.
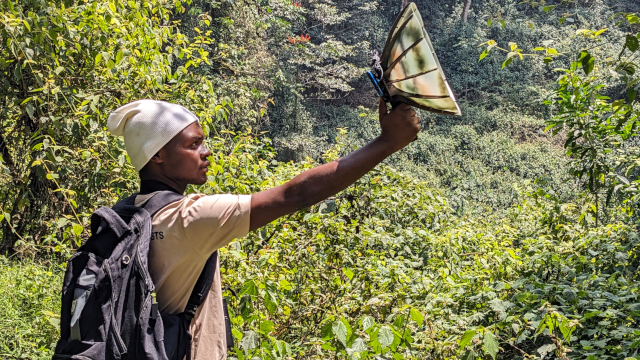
[(348, 273), (29, 53), (483, 55), (271, 302), (632, 43), (359, 345), (507, 62), (416, 316), (631, 94), (328, 346), (590, 314), (385, 336), (340, 331), (466, 338), (407, 336), (30, 110), (77, 229), (266, 327), (326, 332), (249, 340), (285, 285), (490, 344), (546, 349), (367, 322), (249, 288), (587, 62), (469, 355), (565, 330), (348, 326)]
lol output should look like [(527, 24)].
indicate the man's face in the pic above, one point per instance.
[(184, 158)]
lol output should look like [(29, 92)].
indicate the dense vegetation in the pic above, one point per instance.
[(510, 232)]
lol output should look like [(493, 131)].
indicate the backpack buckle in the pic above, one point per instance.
[(190, 311)]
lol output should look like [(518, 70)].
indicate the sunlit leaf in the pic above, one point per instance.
[(266, 327), (416, 316), (385, 336), (339, 329), (507, 62), (466, 338), (249, 288), (490, 344)]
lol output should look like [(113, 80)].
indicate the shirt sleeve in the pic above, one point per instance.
[(213, 221)]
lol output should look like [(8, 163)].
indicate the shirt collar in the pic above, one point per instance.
[(149, 186)]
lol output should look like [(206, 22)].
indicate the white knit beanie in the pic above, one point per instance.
[(147, 125)]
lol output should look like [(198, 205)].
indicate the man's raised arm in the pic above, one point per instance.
[(399, 128)]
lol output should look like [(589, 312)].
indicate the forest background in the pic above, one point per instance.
[(510, 232)]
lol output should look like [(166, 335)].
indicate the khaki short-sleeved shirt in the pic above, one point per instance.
[(185, 234)]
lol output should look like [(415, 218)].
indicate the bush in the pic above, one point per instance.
[(29, 308)]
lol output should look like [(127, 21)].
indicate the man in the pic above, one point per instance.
[(166, 145)]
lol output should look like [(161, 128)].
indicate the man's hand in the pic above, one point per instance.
[(399, 128)]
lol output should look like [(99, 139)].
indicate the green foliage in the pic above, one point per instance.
[(481, 163), (64, 68), (601, 132), (448, 250), (387, 268), (29, 309)]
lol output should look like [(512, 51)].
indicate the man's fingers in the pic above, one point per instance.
[(382, 109)]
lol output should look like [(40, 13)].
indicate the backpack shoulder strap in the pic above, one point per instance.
[(105, 217), (128, 201), (160, 200), (202, 286)]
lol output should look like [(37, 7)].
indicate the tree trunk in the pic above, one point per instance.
[(465, 12)]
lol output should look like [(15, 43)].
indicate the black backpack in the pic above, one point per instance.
[(109, 310)]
